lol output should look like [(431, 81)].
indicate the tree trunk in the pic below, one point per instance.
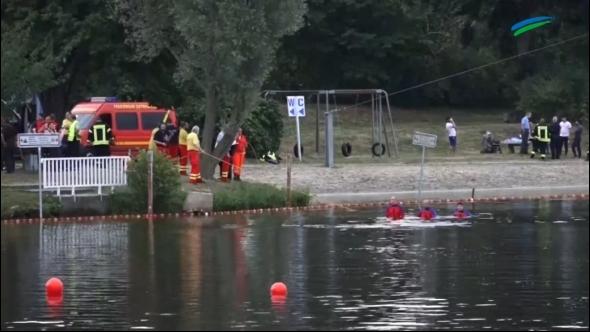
[(207, 163), (241, 103)]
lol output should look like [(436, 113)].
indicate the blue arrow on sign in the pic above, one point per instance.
[(292, 111), (301, 112)]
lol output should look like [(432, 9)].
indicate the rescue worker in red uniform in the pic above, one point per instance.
[(427, 213), (194, 150), (182, 134), (460, 212), (394, 211), (239, 156)]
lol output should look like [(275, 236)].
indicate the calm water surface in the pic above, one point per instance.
[(518, 266)]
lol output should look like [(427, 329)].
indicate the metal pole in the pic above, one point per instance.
[(373, 118), (421, 177), (150, 207), (40, 190), (379, 120), (329, 140), (394, 137), (298, 137), (289, 180), (317, 125)]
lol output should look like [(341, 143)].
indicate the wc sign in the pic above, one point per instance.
[(296, 106)]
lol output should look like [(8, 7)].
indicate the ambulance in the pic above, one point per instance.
[(131, 123)]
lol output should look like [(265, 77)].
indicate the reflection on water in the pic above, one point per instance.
[(521, 265)]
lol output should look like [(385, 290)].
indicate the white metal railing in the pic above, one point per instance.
[(84, 172)]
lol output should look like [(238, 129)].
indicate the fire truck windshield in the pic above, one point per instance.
[(84, 120)]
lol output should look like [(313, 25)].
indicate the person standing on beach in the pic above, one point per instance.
[(239, 156), (452, 132), (525, 130), (555, 140), (540, 139), (564, 134), (577, 143)]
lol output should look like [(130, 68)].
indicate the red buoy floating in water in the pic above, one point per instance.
[(54, 288), (278, 289)]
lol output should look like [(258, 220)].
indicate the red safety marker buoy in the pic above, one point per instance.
[(278, 289), (54, 288)]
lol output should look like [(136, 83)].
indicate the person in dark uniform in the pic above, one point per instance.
[(160, 139), (555, 140), (541, 138), (577, 143), (100, 137), (73, 139)]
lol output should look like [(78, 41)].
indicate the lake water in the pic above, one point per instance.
[(521, 265)]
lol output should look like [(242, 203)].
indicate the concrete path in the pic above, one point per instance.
[(454, 194)]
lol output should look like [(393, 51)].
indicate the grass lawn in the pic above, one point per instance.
[(354, 126), (246, 195), (20, 177), (19, 203)]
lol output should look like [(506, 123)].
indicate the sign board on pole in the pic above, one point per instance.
[(424, 139), (296, 106), (30, 140)]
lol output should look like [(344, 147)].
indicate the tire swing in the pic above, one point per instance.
[(296, 152), (378, 149), (346, 149)]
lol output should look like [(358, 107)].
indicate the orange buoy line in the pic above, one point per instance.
[(315, 207)]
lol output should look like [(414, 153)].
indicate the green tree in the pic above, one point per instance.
[(225, 48), (67, 51)]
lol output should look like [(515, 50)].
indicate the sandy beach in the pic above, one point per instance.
[(437, 175)]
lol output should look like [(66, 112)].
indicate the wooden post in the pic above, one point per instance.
[(289, 158), (150, 207)]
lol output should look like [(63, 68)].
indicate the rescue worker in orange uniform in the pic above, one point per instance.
[(194, 150), (394, 210), (239, 156), (182, 134)]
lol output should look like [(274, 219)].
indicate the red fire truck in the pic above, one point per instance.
[(131, 123)]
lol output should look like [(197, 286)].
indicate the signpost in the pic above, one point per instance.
[(29, 140), (296, 108), (425, 141)]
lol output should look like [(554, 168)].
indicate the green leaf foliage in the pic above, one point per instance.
[(168, 194), (244, 195), (264, 129)]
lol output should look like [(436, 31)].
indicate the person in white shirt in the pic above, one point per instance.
[(564, 133), (452, 132)]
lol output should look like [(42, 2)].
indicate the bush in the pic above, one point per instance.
[(168, 194), (562, 94), (264, 128), (25, 204), (244, 195)]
